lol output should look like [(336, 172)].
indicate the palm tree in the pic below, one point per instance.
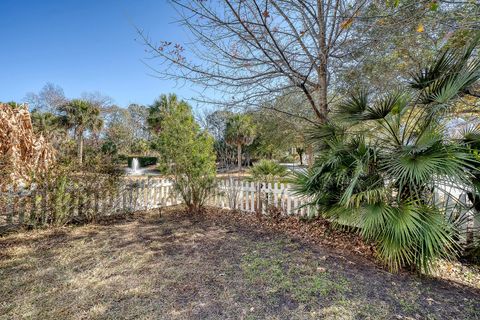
[(386, 159), (157, 109), (81, 116), (47, 124), (267, 171), (239, 131)]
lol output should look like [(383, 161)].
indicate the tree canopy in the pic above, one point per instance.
[(186, 151)]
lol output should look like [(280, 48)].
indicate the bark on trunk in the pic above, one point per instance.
[(80, 148), (239, 156), (310, 156), (322, 70), (322, 94)]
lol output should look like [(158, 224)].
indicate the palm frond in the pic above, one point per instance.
[(353, 107), (410, 234), (325, 132), (384, 106), (424, 77), (450, 75)]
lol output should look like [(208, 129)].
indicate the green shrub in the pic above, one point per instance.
[(267, 171), (109, 147), (288, 159), (140, 146), (186, 152), (123, 158)]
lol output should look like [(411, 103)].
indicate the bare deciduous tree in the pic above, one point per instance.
[(254, 50), (98, 99), (248, 52), (48, 99)]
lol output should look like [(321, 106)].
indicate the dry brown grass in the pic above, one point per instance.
[(177, 266), (22, 153)]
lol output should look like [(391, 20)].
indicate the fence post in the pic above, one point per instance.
[(44, 205), (80, 205), (21, 213), (147, 201), (156, 195), (246, 197), (241, 195), (147, 194), (259, 201), (95, 208), (9, 212), (229, 191), (123, 198), (275, 195), (90, 205), (222, 193), (252, 196), (33, 209), (160, 192)]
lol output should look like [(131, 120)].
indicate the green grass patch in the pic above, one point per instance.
[(304, 283)]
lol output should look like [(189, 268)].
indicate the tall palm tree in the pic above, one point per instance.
[(81, 116), (157, 109), (385, 160), (47, 124), (239, 131)]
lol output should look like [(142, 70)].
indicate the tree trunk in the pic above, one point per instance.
[(80, 148), (239, 156), (300, 154), (322, 71), (322, 94), (310, 156)]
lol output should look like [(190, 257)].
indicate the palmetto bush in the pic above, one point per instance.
[(382, 159), (267, 171)]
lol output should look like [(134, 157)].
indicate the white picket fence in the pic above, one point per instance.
[(234, 193), (144, 193), (258, 197), (149, 193), (34, 207), (153, 192), (39, 206)]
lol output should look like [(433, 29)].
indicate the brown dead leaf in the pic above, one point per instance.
[(22, 153), (345, 24)]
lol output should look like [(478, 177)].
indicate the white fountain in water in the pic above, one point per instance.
[(136, 167)]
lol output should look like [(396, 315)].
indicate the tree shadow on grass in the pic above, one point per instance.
[(179, 266)]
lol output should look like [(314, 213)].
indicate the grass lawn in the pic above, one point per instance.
[(179, 267)]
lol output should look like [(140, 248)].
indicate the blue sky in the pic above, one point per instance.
[(84, 46)]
